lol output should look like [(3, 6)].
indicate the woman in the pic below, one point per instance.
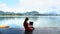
[(27, 25)]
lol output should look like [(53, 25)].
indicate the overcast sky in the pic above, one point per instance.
[(42, 6)]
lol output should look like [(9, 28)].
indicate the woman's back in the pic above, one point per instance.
[(27, 25)]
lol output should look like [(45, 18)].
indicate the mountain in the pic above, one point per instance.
[(31, 13), (1, 12), (7, 13)]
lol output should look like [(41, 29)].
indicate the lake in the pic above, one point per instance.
[(39, 21)]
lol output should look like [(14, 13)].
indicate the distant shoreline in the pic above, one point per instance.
[(29, 16)]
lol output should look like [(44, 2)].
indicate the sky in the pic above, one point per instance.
[(42, 6)]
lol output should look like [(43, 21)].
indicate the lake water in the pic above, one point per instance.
[(39, 21)]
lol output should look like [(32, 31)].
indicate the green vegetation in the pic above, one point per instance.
[(10, 14)]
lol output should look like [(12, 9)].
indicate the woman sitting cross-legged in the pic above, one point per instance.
[(27, 26)]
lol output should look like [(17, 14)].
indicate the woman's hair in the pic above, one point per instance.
[(26, 19)]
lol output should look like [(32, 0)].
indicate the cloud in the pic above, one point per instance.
[(39, 5), (5, 8)]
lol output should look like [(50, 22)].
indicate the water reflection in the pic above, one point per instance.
[(34, 18), (38, 21), (3, 18), (28, 32)]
